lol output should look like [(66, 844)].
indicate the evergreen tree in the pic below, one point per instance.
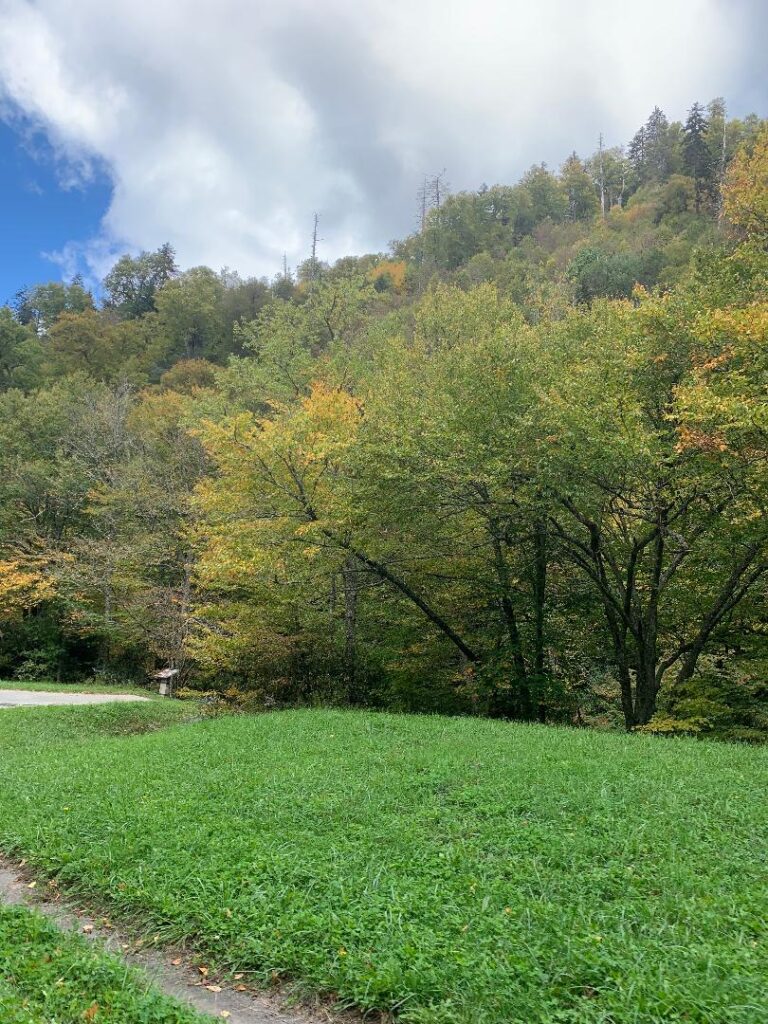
[(696, 152), (637, 157), (657, 145)]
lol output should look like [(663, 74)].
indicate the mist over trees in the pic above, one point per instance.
[(515, 466)]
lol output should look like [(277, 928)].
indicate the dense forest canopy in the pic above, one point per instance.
[(515, 466)]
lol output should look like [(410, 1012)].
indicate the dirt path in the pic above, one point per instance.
[(35, 698), (170, 972)]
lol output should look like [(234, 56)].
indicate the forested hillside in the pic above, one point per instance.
[(515, 466)]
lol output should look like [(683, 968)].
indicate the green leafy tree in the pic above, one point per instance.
[(582, 200), (131, 284), (191, 316), (42, 305), (19, 352)]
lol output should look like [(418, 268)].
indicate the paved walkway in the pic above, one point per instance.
[(34, 698)]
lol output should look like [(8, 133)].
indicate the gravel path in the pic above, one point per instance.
[(171, 972), (33, 698)]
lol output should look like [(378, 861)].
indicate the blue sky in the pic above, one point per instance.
[(224, 133), (38, 214)]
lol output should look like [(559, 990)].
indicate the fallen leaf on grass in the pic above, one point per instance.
[(91, 1012), (213, 988), (87, 928), (176, 962), (225, 1013), (32, 885)]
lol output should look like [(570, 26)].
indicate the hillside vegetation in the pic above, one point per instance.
[(515, 467)]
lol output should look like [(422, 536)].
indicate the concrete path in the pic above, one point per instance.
[(34, 698), (171, 971)]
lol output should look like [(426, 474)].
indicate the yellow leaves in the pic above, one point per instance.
[(391, 273), (333, 417), (740, 329), (24, 584), (745, 192)]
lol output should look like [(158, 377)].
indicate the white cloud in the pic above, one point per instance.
[(225, 123)]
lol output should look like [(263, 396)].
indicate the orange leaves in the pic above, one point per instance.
[(718, 361), (692, 439)]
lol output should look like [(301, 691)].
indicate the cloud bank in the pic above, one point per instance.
[(224, 124)]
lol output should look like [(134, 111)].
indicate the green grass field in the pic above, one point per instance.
[(452, 870), (50, 978)]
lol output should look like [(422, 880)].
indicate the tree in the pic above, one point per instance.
[(91, 343), (697, 156), (131, 284), (545, 198), (42, 305), (664, 529), (599, 274), (337, 486), (745, 193), (636, 154), (657, 154), (19, 351), (190, 311), (579, 189)]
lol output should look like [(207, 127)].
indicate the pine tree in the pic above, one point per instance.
[(636, 156), (696, 153), (657, 155)]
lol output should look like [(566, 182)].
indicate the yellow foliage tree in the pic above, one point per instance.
[(23, 585), (389, 272), (745, 193)]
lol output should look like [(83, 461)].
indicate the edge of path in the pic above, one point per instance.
[(170, 971)]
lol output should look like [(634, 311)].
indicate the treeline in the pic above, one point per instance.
[(516, 466)]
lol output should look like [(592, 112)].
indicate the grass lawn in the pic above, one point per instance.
[(453, 870), (47, 977)]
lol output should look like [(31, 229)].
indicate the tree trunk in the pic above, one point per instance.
[(520, 705), (539, 600), (349, 578)]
